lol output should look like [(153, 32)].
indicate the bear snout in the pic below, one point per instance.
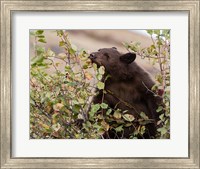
[(92, 56)]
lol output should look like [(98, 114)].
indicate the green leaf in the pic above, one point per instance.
[(67, 68), (167, 123), (159, 79), (55, 115), (72, 51), (75, 102), (40, 50), (108, 111), (161, 117), (108, 76), (150, 32), (61, 43), (126, 45), (74, 47), (134, 48), (41, 36), (32, 102), (162, 130), (144, 116), (101, 70), (128, 117), (50, 53), (42, 40), (142, 130), (128, 124), (159, 42), (76, 108), (119, 129), (153, 47), (159, 109), (85, 66), (88, 124), (95, 108), (39, 32), (97, 126), (166, 32), (60, 33), (37, 60), (104, 106), (100, 85), (99, 76), (157, 32), (145, 122), (72, 84), (94, 66)]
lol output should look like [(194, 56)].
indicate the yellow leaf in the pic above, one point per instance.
[(57, 64), (55, 134), (44, 126), (63, 86), (89, 62), (56, 127), (117, 114), (128, 117), (70, 88), (62, 56), (57, 106), (88, 76), (105, 125)]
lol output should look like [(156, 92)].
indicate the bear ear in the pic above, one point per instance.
[(128, 58), (114, 48)]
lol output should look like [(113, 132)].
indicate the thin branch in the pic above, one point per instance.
[(53, 65), (150, 90), (126, 103)]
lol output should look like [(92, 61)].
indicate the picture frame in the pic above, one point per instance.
[(8, 7)]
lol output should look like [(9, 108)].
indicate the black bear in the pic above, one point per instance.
[(129, 87)]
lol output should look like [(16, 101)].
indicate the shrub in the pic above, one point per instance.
[(62, 86), (158, 54)]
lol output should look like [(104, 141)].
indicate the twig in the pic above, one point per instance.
[(126, 103), (61, 59), (53, 65), (150, 90)]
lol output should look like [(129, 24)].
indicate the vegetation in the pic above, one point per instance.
[(158, 53), (61, 100)]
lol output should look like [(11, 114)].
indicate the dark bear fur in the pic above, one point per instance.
[(128, 83)]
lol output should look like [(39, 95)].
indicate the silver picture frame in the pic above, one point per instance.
[(9, 6)]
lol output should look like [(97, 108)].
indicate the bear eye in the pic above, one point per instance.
[(107, 55)]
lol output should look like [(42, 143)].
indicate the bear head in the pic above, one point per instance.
[(116, 64)]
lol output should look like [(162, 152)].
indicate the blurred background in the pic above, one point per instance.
[(92, 40)]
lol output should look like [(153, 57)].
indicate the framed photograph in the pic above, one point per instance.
[(100, 84)]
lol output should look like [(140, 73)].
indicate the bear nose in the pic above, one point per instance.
[(92, 56)]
